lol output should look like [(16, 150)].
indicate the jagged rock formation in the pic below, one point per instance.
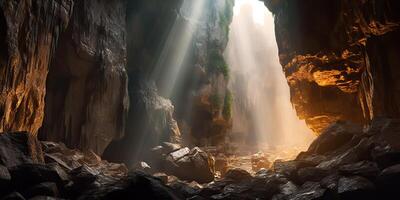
[(338, 58), (358, 164), (29, 31), (207, 119), (85, 44), (175, 52), (87, 98)]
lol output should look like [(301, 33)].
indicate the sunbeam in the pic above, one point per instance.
[(171, 61), (262, 114)]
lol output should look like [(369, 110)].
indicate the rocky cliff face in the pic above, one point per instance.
[(80, 49), (175, 58), (87, 97), (338, 57), (29, 31), (204, 114)]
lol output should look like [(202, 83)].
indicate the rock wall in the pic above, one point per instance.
[(338, 57), (205, 102), (80, 49), (174, 58), (29, 31), (87, 98)]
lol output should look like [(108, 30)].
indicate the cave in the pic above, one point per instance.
[(199, 100)]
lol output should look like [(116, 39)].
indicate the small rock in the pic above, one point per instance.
[(288, 188), (289, 168), (385, 156), (308, 191), (42, 189), (311, 174), (238, 174), (183, 188), (5, 180), (390, 176), (170, 147), (176, 155), (331, 182), (13, 196), (83, 175), (355, 187), (363, 168), (143, 166), (162, 176)]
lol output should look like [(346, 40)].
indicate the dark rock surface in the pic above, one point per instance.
[(18, 148), (87, 94)]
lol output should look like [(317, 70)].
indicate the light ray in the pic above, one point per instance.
[(262, 107)]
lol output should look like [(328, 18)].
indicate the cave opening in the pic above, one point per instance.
[(264, 121)]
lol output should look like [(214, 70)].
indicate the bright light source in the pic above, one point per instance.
[(262, 107)]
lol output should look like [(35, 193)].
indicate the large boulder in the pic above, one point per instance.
[(334, 137), (356, 187), (191, 165), (18, 148), (135, 185)]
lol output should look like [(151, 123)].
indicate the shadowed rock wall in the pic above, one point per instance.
[(87, 97)]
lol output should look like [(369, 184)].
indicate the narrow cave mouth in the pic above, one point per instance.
[(264, 120)]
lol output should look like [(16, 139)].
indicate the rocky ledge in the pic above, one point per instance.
[(345, 162)]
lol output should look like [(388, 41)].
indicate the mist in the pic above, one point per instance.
[(263, 116)]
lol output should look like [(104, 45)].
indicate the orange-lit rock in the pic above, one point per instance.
[(338, 57), (27, 42)]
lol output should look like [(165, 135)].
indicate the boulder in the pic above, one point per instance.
[(169, 147), (331, 182), (238, 174), (363, 168), (184, 189), (385, 156), (334, 137), (31, 174), (288, 188), (289, 168), (83, 175), (311, 174), (390, 176), (5, 180), (42, 189), (350, 154), (309, 191), (190, 165), (356, 187), (18, 148), (14, 196), (136, 184)]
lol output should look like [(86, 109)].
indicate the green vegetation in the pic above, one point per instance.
[(228, 101), (217, 63), (226, 17), (216, 100)]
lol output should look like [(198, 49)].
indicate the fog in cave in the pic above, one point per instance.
[(263, 116)]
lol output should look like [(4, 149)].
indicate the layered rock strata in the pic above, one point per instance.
[(338, 58)]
